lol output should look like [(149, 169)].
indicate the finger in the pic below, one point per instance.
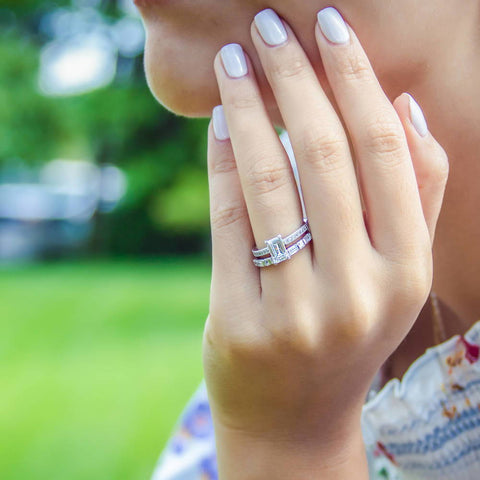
[(327, 173), (232, 270), (429, 159), (386, 172), (266, 176)]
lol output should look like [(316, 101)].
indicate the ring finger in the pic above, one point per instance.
[(265, 173)]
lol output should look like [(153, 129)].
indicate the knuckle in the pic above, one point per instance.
[(227, 215), (241, 341), (384, 136), (352, 332), (353, 67), (442, 170), (223, 164), (292, 67), (413, 265), (411, 250), (436, 174), (246, 345), (294, 332), (245, 101), (359, 311), (322, 151), (354, 324), (210, 335), (296, 338), (301, 344), (267, 175), (415, 283), (352, 309), (298, 331)]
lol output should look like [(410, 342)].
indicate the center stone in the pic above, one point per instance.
[(277, 249)]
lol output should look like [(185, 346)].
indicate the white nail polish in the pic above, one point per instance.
[(220, 127), (333, 26), (234, 60), (417, 117), (271, 27)]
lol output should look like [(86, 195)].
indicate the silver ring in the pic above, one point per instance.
[(279, 248)]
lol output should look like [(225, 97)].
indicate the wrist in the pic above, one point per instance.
[(242, 456)]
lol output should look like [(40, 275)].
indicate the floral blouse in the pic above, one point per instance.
[(424, 427)]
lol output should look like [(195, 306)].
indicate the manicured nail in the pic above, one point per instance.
[(220, 127), (417, 117), (234, 60), (271, 27), (333, 26)]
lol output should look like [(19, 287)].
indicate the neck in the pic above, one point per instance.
[(449, 95)]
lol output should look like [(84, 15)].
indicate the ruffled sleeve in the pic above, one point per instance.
[(427, 426)]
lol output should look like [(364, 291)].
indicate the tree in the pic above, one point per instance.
[(163, 155)]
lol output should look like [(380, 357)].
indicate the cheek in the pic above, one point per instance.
[(180, 73)]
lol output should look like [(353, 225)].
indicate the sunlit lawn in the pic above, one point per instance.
[(97, 361)]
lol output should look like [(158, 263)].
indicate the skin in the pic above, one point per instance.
[(443, 75), (297, 420)]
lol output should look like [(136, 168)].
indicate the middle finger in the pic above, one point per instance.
[(327, 172)]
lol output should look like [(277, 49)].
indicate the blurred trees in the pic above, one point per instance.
[(164, 156)]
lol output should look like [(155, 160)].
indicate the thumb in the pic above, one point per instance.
[(429, 159)]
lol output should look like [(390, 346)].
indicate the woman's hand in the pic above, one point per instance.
[(290, 350)]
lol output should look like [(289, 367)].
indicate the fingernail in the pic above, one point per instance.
[(271, 27), (333, 26), (220, 127), (417, 117), (234, 60)]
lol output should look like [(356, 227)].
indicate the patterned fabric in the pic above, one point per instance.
[(428, 425)]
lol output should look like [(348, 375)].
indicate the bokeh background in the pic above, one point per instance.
[(104, 246)]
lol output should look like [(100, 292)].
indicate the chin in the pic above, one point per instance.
[(181, 98), (176, 88), (181, 101), (191, 95)]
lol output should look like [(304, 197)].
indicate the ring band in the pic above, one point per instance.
[(279, 249)]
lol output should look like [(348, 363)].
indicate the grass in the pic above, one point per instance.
[(97, 361)]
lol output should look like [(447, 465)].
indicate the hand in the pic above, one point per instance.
[(290, 350)]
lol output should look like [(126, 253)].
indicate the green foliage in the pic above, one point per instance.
[(97, 361), (185, 205), (163, 155), (27, 6), (27, 120)]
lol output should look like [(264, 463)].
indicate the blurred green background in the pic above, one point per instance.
[(100, 334)]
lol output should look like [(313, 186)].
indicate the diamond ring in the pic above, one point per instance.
[(279, 249)]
